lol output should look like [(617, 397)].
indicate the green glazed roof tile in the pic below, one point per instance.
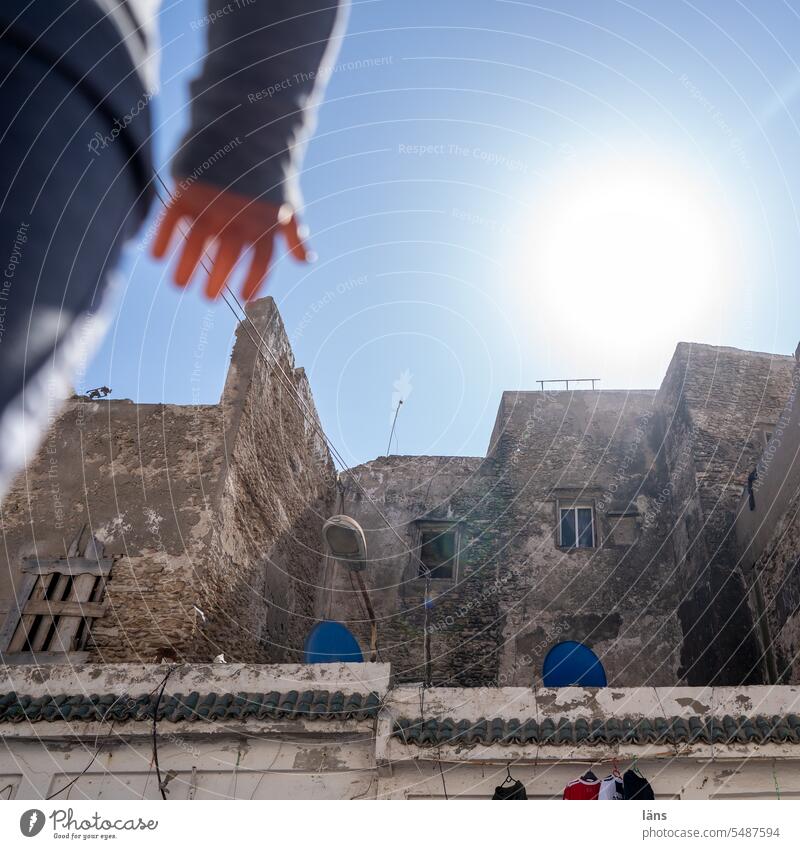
[(311, 704), (657, 730)]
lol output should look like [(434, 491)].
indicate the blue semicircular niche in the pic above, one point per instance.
[(572, 664), (331, 642)]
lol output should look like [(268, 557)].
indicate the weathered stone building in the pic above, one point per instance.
[(178, 532), (659, 529), (657, 592), (603, 518)]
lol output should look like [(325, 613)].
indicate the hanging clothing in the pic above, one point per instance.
[(611, 788), (636, 786), (514, 790), (582, 788)]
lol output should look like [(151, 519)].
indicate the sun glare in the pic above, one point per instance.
[(636, 251)]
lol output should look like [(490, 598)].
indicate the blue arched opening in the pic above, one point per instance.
[(331, 642), (572, 664)]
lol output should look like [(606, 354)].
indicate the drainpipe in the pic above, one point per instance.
[(373, 640), (757, 594)]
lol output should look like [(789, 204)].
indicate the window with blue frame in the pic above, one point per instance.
[(576, 526)]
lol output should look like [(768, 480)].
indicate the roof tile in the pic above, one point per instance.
[(311, 704), (657, 730)]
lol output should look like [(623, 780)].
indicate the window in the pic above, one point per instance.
[(624, 528), (767, 431), (438, 551), (57, 601), (576, 527)]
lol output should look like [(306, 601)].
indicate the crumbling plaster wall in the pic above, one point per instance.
[(697, 771), (142, 478), (218, 507), (223, 754)]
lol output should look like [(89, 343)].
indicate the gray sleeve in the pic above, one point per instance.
[(253, 105)]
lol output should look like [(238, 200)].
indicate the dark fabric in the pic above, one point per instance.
[(253, 104), (70, 208), (65, 212), (80, 44), (751, 498), (636, 786), (515, 790)]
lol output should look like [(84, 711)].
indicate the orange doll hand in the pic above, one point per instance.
[(234, 223)]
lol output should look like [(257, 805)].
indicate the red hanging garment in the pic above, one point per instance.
[(582, 788)]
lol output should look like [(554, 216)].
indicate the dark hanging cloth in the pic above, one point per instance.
[(515, 790), (636, 786), (751, 497)]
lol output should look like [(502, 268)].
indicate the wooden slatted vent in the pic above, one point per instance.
[(64, 595)]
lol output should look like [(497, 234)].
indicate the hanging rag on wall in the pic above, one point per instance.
[(584, 788), (511, 788)]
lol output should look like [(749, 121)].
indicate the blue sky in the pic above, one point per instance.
[(446, 192)]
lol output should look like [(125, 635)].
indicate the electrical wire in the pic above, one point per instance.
[(99, 749), (444, 785), (80, 775), (155, 739)]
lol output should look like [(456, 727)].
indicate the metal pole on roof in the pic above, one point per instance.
[(391, 433), (566, 382)]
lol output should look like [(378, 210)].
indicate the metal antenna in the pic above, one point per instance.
[(394, 423)]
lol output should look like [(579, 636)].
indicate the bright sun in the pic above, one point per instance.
[(633, 250)]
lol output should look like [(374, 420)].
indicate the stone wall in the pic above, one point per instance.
[(462, 617), (211, 514), (714, 402), (517, 593), (593, 448), (768, 535), (277, 493)]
